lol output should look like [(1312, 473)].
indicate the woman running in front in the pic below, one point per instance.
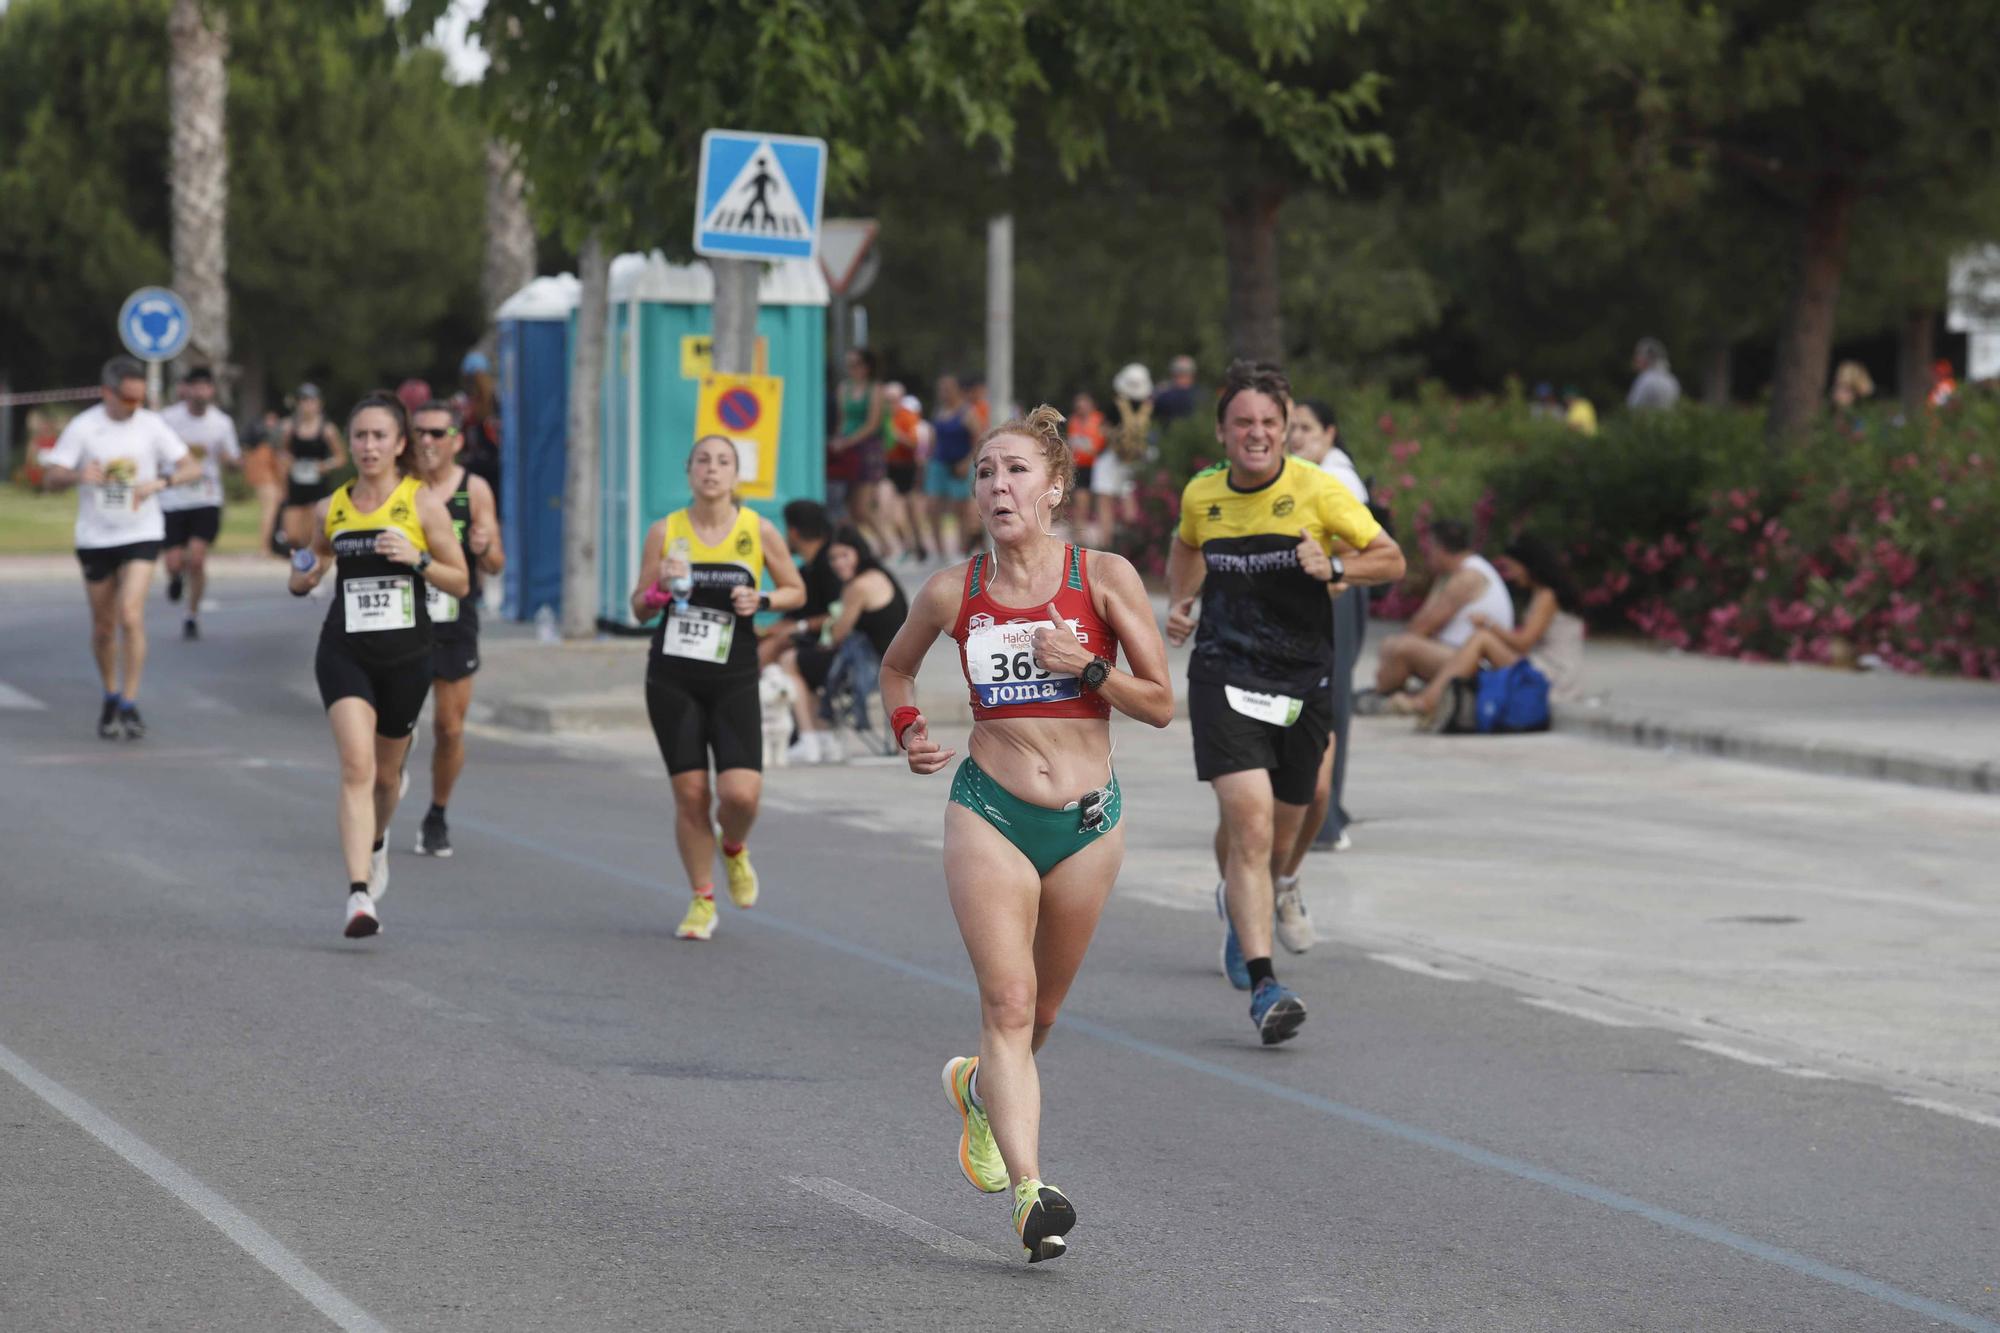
[(385, 537), (1032, 841), (702, 566)]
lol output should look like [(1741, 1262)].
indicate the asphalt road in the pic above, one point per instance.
[(526, 1106)]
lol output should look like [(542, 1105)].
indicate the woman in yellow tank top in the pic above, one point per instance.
[(385, 537), (700, 571)]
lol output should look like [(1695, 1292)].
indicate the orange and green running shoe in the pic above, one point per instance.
[(978, 1154), (1042, 1217)]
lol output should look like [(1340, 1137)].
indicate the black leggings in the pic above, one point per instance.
[(693, 718)]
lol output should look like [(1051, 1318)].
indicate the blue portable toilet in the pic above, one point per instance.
[(534, 327), (660, 318)]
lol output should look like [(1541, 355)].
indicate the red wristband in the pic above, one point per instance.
[(899, 722)]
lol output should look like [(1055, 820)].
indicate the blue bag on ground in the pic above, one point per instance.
[(1514, 698)]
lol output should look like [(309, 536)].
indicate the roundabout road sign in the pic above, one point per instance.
[(154, 324)]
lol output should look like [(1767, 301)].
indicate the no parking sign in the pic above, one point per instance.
[(745, 410)]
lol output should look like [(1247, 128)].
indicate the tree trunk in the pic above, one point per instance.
[(510, 236), (1805, 339), (198, 83), (1915, 351), (581, 521), (1250, 245), (1717, 378)]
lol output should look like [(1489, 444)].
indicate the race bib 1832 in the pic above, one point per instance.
[(374, 605), (1000, 662)]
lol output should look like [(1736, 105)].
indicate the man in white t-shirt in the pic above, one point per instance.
[(1465, 585), (122, 456), (193, 512)]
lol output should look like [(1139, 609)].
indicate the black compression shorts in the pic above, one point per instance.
[(396, 690), (1225, 741), (198, 524), (101, 562), (693, 719)]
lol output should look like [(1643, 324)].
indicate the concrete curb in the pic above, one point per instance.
[(1808, 756)]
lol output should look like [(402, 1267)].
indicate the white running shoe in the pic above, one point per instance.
[(1295, 928), (1343, 843), (378, 872), (830, 751), (804, 750), (361, 919)]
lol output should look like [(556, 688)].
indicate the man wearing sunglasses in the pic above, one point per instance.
[(437, 433), (122, 455)]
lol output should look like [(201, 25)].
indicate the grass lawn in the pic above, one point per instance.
[(35, 524)]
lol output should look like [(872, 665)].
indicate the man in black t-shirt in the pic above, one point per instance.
[(808, 531)]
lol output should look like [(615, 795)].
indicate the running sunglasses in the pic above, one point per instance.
[(435, 433)]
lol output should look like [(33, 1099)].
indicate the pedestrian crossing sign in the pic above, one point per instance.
[(759, 196)]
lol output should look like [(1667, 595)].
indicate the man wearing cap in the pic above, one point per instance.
[(120, 456), (193, 512)]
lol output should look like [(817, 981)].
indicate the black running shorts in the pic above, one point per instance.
[(186, 525), (396, 690), (101, 562), (454, 657), (693, 719), (1225, 741)]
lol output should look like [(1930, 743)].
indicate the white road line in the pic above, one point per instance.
[(144, 866), (423, 999), (224, 1216), (1575, 1011), (1752, 1058), (1420, 967), (1946, 1108), (894, 1218), (13, 698), (208, 703)]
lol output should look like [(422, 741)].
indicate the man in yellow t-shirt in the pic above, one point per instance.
[(1256, 542)]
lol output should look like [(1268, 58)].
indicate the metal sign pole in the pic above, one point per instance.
[(153, 385)]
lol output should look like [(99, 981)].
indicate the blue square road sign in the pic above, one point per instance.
[(759, 196)]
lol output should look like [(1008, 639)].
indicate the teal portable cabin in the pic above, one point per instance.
[(534, 342), (660, 319)]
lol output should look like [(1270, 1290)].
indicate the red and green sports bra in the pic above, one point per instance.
[(996, 648)]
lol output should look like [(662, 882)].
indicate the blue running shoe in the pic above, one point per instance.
[(1233, 965), (1277, 1012)]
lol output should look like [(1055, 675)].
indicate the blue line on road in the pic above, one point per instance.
[(1354, 1115)]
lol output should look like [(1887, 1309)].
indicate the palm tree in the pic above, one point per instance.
[(510, 235), (198, 84)]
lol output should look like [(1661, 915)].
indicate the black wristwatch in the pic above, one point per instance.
[(1338, 570), (1096, 673), (763, 601), (423, 561)]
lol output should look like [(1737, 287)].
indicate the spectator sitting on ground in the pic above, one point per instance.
[(871, 606), (1550, 634), (1463, 585), (1655, 389), (808, 532)]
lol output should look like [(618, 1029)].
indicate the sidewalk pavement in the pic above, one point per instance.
[(1916, 730)]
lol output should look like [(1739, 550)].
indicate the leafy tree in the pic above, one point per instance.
[(353, 256)]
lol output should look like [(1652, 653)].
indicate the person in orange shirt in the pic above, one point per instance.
[(1086, 442)]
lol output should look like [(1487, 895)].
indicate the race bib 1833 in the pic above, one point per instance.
[(1000, 662), (698, 634), (441, 606)]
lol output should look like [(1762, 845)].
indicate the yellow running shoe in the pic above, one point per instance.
[(1042, 1217), (978, 1154), (742, 879), (699, 923)]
